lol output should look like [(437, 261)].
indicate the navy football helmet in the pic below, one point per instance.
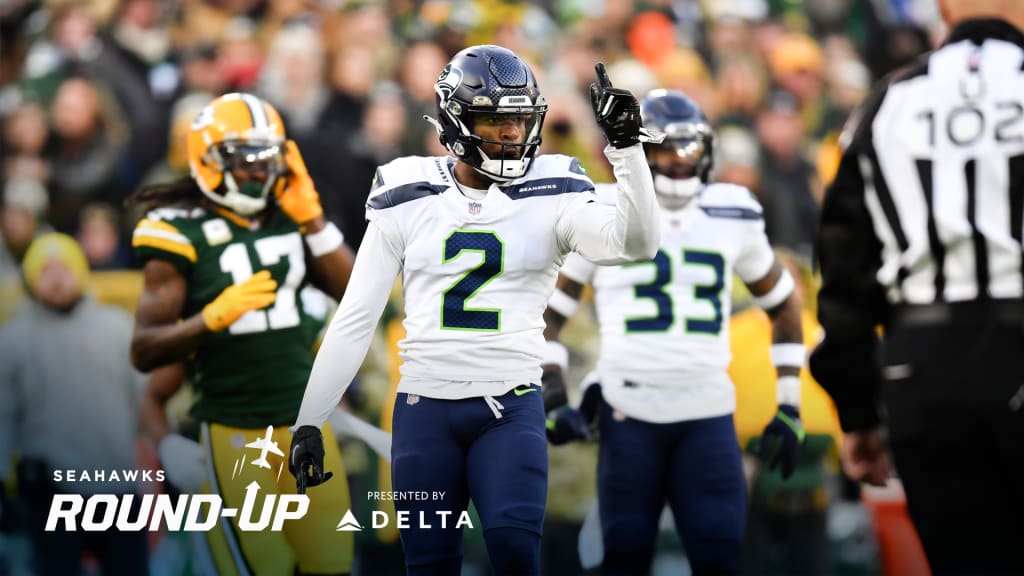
[(488, 80), (682, 163)]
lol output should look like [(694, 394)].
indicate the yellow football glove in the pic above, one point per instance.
[(298, 197), (257, 292)]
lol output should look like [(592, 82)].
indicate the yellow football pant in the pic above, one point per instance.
[(311, 542)]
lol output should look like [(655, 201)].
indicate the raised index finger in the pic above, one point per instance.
[(602, 76)]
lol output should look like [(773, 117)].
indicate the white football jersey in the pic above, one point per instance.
[(477, 272), (665, 322)]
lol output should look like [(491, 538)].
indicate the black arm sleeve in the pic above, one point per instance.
[(851, 303)]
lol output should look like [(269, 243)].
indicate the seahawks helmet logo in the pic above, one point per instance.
[(449, 81)]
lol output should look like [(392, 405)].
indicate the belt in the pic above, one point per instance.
[(1009, 312)]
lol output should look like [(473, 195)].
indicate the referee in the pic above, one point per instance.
[(921, 234)]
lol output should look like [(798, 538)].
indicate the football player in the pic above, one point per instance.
[(228, 255), (661, 391), (478, 239)]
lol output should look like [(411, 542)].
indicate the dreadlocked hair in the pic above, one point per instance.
[(183, 191)]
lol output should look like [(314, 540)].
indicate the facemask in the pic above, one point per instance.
[(674, 194)]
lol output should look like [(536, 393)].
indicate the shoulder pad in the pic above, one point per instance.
[(730, 201), (406, 179), (550, 175), (154, 235)]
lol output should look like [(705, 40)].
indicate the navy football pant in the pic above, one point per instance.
[(461, 448), (695, 466)]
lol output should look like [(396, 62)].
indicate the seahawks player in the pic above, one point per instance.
[(666, 428), (228, 255), (478, 239)]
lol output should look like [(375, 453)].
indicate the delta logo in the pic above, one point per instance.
[(442, 519)]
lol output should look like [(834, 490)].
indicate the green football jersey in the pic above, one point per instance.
[(253, 373)]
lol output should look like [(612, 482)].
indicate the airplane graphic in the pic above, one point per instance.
[(264, 445)]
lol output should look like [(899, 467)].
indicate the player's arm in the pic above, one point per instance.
[(629, 231), (181, 458), (162, 336), (344, 347), (159, 337), (564, 423), (561, 306), (776, 294), (330, 260), (163, 383)]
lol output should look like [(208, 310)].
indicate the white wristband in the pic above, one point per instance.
[(555, 353), (784, 286), (787, 390), (563, 303), (788, 354), (325, 241)]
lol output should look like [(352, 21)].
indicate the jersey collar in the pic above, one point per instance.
[(981, 29)]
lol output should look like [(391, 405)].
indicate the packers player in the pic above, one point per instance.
[(228, 255)]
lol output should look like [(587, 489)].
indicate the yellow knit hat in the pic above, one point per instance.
[(59, 246)]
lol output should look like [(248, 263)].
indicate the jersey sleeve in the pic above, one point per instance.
[(578, 269), (625, 232), (158, 239), (351, 329)]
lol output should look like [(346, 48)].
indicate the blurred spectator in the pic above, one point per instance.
[(790, 191), (67, 41), (683, 69), (742, 84), (135, 63), (797, 66), (894, 47), (377, 142), (175, 165), (25, 136), (738, 158), (99, 234), (69, 401), (201, 70), (241, 57), (293, 79), (21, 218), (87, 154), (418, 90)]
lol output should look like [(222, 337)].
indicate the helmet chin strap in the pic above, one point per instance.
[(674, 194)]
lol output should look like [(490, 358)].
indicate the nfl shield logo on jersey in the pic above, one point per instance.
[(474, 208)]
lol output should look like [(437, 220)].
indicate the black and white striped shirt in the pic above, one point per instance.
[(928, 203)]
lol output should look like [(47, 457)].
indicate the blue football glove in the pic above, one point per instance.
[(567, 424), (783, 437)]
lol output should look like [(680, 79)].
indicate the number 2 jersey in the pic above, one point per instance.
[(665, 322), (253, 373), (477, 271)]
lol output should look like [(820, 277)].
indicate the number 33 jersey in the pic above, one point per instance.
[(253, 373), (665, 322)]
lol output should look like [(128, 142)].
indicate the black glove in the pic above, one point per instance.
[(567, 424), (306, 462), (552, 386), (6, 512), (616, 110), (784, 438)]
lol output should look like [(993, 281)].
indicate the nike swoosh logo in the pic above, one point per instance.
[(527, 390)]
